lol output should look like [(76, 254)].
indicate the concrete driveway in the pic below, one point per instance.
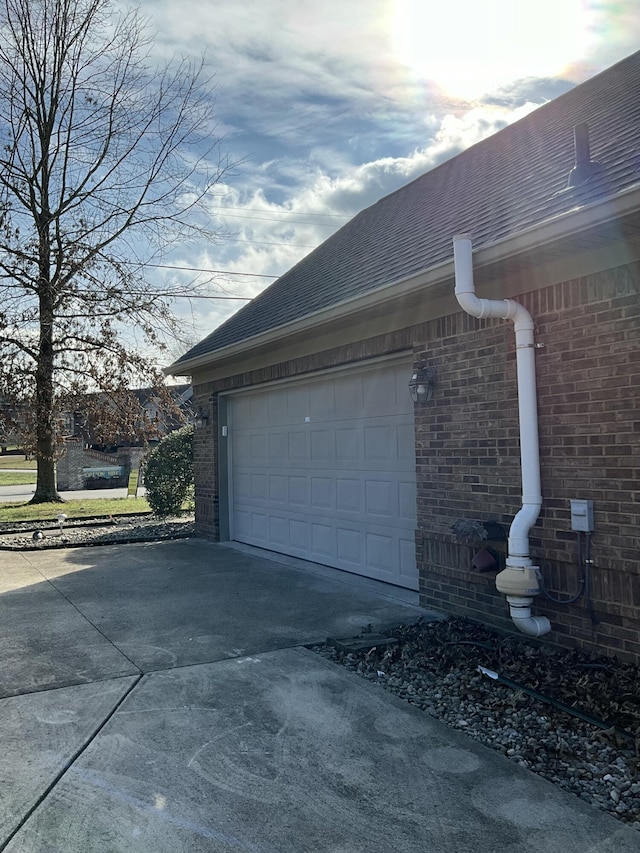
[(158, 698)]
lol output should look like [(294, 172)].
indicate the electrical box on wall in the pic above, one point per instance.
[(582, 516)]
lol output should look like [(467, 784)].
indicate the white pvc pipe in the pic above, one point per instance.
[(523, 326), (526, 517), (520, 611)]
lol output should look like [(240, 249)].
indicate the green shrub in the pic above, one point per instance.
[(168, 473)]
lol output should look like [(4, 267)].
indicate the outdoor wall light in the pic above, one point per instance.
[(201, 419), (422, 384)]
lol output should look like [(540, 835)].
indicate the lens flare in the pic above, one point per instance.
[(472, 47)]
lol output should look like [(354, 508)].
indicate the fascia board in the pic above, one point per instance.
[(548, 231), (339, 310)]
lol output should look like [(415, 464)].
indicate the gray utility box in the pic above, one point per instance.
[(582, 516)]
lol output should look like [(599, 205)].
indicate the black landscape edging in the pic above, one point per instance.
[(130, 540), (79, 521)]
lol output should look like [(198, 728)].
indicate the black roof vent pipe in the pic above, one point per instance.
[(585, 168)]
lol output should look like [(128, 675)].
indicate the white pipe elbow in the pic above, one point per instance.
[(482, 308), (520, 610), (504, 309), (520, 317), (521, 525)]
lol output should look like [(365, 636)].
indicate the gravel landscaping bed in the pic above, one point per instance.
[(121, 529), (435, 666)]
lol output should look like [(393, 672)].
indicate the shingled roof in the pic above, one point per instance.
[(510, 181)]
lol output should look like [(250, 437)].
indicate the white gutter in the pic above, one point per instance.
[(519, 580)]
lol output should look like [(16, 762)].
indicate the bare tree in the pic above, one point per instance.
[(105, 160)]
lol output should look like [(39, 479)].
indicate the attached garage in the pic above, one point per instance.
[(324, 469), (320, 450)]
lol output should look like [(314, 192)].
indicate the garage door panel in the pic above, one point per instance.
[(299, 491), (348, 444), (242, 525), (407, 502), (299, 447), (378, 393), (278, 489), (408, 558), (405, 450), (323, 445), (260, 526), (323, 493), (380, 551), (276, 407), (327, 472), (297, 404), (259, 488), (323, 540), (260, 409), (243, 487), (379, 443), (258, 448), (322, 403), (299, 535), (379, 498), (242, 446), (348, 495), (349, 544), (381, 495), (349, 398), (252, 525), (278, 531), (243, 409), (370, 551), (277, 447)]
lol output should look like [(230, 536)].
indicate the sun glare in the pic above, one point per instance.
[(471, 47)]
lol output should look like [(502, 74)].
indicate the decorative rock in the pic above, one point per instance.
[(145, 528), (434, 666)]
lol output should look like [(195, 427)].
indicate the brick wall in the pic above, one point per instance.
[(468, 457), (589, 419), (205, 458)]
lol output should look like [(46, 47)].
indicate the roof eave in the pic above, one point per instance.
[(553, 229)]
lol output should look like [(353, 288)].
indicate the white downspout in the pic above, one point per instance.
[(519, 581)]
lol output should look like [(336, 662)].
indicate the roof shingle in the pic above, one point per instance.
[(504, 184)]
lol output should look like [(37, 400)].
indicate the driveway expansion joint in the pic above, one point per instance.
[(68, 764)]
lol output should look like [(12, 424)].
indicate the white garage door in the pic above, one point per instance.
[(325, 470)]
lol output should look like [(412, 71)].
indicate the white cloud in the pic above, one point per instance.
[(346, 191), (330, 115), (278, 235)]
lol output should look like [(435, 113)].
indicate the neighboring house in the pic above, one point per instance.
[(310, 445), (13, 426), (106, 440), (105, 422), (167, 410)]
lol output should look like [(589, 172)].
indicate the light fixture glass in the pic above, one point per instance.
[(422, 384), (201, 419)]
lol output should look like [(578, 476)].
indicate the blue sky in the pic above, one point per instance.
[(331, 104)]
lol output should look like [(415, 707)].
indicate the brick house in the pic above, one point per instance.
[(311, 445)]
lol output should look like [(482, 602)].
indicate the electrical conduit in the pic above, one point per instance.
[(519, 581)]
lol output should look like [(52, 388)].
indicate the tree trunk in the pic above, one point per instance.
[(45, 433), (45, 439)]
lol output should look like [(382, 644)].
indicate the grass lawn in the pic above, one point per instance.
[(10, 478), (17, 461), (72, 509)]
